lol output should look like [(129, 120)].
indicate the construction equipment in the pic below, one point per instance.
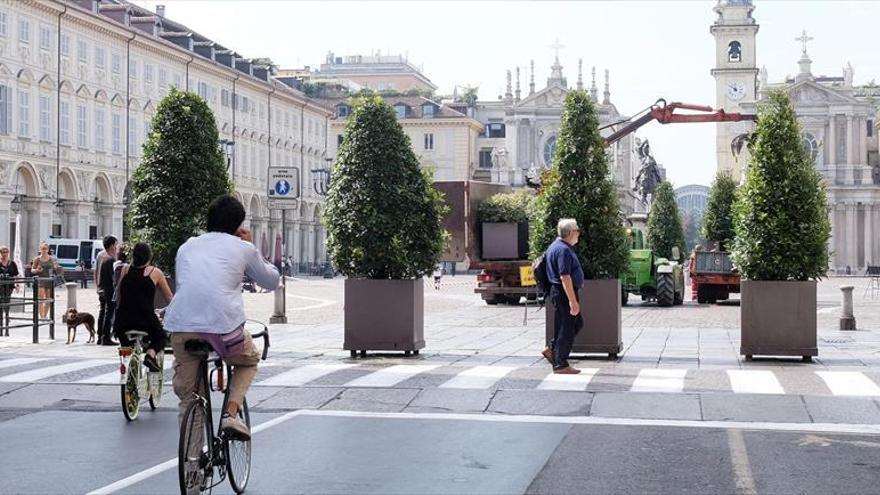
[(652, 277), (713, 276)]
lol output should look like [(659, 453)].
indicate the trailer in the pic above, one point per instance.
[(713, 276)]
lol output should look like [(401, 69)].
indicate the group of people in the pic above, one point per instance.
[(44, 266), (207, 304)]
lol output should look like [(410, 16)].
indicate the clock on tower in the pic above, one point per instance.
[(735, 72)]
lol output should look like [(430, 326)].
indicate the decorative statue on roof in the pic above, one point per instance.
[(649, 175)]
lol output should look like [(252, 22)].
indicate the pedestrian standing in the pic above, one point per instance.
[(566, 277), (104, 284), (438, 275), (81, 273), (46, 268), (8, 272)]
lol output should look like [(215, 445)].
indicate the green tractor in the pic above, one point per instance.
[(650, 276)]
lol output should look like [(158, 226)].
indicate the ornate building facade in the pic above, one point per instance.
[(80, 81), (839, 119)]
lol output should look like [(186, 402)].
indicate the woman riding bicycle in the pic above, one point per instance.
[(208, 306), (135, 296)]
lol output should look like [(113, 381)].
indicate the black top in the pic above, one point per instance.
[(135, 299), (9, 270), (105, 276)]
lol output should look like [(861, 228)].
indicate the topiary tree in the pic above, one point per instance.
[(580, 186), (181, 172), (514, 207), (664, 224), (781, 212), (718, 215), (384, 218)]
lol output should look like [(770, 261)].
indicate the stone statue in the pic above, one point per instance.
[(649, 175), (499, 157)]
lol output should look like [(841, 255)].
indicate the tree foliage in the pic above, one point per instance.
[(664, 224), (384, 218), (514, 207), (181, 172), (781, 212), (691, 220), (718, 215), (579, 186)]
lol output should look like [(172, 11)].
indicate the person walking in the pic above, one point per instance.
[(8, 271), (438, 275), (566, 277), (104, 284)]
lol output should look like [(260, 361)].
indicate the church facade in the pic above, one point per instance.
[(520, 133), (839, 121)]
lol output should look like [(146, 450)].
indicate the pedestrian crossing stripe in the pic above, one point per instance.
[(450, 376)]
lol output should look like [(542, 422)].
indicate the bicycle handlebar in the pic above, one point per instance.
[(264, 333)]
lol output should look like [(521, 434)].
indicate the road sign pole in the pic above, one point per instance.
[(280, 313)]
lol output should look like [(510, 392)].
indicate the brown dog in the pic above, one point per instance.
[(73, 318)]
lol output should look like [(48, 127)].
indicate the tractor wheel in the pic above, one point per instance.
[(624, 297), (679, 298), (665, 290), (701, 295)]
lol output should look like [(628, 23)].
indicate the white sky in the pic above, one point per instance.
[(653, 48)]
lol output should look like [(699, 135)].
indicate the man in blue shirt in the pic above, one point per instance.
[(566, 278)]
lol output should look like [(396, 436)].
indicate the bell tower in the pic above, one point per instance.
[(736, 75)]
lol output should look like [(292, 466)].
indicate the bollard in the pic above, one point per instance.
[(847, 320), (279, 315), (71, 294)]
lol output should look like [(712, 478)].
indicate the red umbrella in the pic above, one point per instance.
[(265, 246)]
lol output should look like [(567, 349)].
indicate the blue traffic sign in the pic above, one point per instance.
[(282, 187)]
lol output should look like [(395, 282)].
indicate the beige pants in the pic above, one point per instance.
[(186, 370)]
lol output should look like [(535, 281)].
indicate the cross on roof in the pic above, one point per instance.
[(804, 39), (556, 46)]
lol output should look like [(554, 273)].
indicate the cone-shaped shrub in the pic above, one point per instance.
[(781, 212), (665, 230), (580, 186), (384, 218), (718, 215), (181, 172)]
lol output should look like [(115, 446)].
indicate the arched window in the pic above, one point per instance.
[(734, 52), (811, 145), (549, 150)]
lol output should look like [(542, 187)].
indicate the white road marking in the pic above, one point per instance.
[(478, 377), (112, 378), (861, 429), (754, 382), (577, 382), (659, 380), (392, 375), (42, 373), (828, 311), (739, 458), (9, 363), (302, 375), (321, 303), (852, 383)]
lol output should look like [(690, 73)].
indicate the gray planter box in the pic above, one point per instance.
[(778, 319), (384, 315), (600, 306)]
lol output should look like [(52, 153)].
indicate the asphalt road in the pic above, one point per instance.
[(344, 452)]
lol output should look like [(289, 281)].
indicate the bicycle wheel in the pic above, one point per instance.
[(156, 386), (238, 455), (195, 463), (131, 399)]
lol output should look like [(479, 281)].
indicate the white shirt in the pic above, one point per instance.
[(209, 272)]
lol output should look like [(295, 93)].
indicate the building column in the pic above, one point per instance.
[(851, 237), (832, 214), (849, 140), (863, 144), (831, 143), (869, 234)]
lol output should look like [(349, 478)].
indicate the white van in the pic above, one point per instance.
[(69, 252)]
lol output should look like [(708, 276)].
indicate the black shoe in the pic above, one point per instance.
[(108, 342), (151, 364)]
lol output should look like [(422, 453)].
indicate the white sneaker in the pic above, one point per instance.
[(235, 429)]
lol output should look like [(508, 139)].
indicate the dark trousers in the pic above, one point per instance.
[(565, 326), (105, 318)]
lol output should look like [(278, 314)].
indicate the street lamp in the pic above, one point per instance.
[(228, 147), (15, 204), (96, 205), (321, 178)]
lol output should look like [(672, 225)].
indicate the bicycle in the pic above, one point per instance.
[(200, 455), (136, 379)]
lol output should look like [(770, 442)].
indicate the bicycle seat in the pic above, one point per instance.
[(134, 334), (198, 346)]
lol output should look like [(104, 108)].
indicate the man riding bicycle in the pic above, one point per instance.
[(208, 306)]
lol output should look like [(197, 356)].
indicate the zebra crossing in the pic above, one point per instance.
[(281, 373)]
